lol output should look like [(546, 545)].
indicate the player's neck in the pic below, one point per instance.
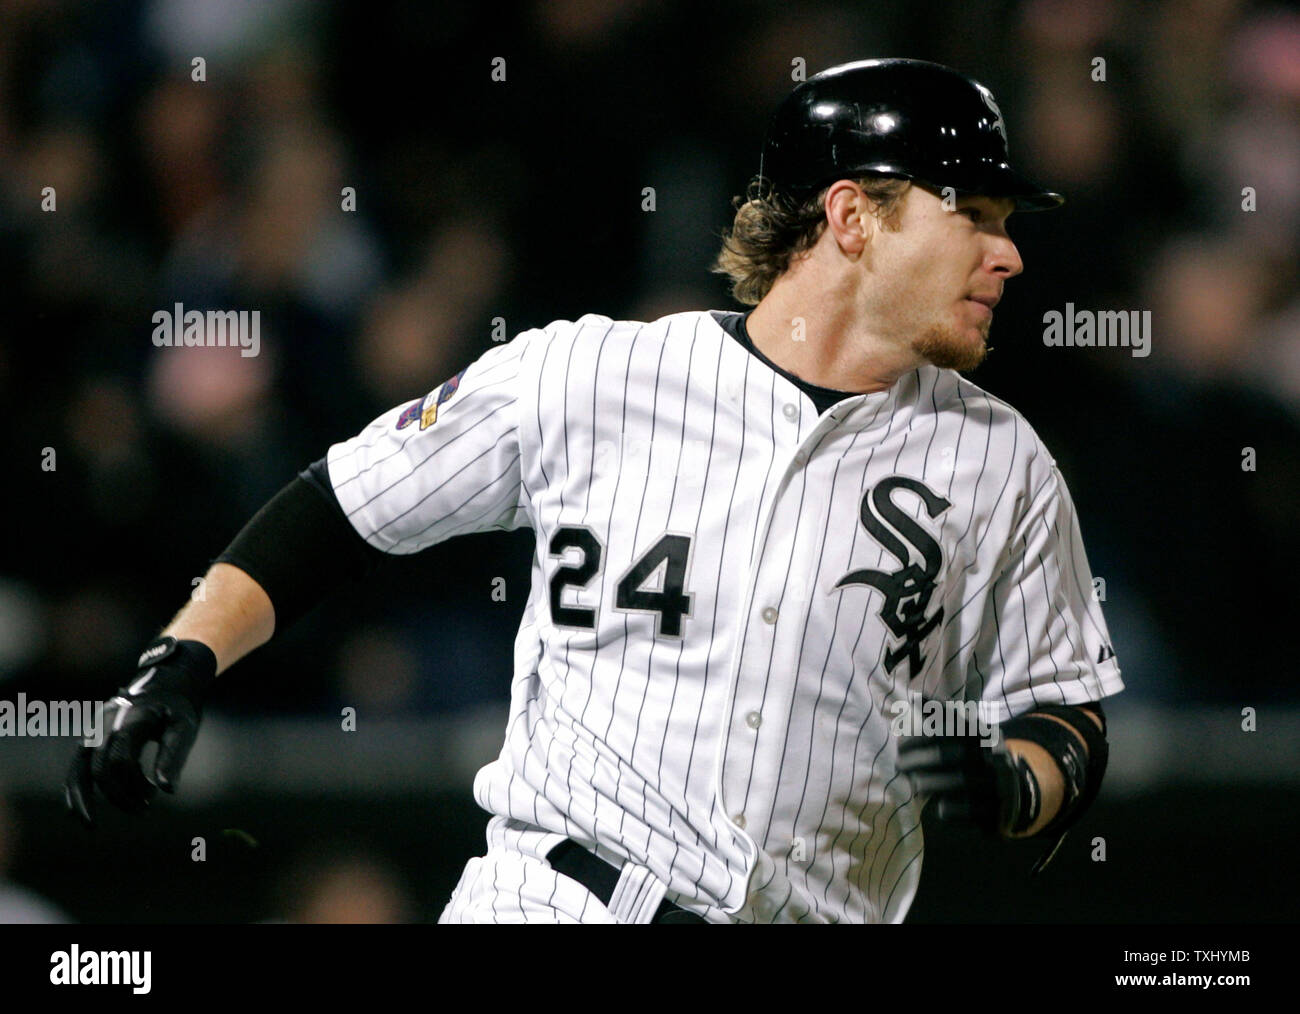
[(817, 336)]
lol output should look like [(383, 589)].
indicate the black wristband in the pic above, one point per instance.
[(191, 665)]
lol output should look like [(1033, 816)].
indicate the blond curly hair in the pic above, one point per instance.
[(770, 230)]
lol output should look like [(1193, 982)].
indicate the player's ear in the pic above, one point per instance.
[(848, 216)]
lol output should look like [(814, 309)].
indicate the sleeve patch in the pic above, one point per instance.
[(426, 409)]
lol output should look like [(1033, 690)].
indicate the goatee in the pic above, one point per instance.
[(949, 350)]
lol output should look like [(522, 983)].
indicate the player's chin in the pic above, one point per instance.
[(960, 347)]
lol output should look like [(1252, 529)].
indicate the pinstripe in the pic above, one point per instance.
[(948, 493), (889, 901), (888, 745), (767, 675), (771, 457), (1055, 607), (748, 619), (627, 375), (726, 531), (672, 501), (586, 509), (895, 842), (568, 374), (1076, 568), (636, 543), (541, 450), (708, 466)]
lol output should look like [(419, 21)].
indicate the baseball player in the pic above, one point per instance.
[(757, 535)]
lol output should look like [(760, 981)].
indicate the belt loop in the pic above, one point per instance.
[(637, 896)]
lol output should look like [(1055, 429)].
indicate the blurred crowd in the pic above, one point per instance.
[(521, 200), (332, 878)]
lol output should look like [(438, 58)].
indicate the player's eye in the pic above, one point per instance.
[(974, 214)]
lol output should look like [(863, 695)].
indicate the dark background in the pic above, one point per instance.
[(522, 200)]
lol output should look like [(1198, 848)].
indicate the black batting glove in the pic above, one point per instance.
[(972, 783), (163, 704)]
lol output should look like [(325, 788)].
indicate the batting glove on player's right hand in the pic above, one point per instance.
[(984, 785), (162, 704)]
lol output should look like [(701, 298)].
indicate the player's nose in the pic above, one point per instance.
[(1003, 258)]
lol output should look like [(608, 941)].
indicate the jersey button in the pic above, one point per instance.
[(791, 412), (739, 821), (769, 614), (753, 719)]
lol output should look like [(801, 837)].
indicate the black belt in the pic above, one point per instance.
[(598, 877)]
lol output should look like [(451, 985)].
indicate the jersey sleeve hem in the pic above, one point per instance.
[(1101, 686)]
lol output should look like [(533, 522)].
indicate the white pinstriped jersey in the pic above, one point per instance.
[(728, 593)]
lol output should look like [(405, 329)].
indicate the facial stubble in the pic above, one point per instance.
[(950, 349)]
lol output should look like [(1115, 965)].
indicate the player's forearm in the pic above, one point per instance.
[(1051, 782), (292, 553), (233, 617)]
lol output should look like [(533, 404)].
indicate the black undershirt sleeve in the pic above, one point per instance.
[(300, 547)]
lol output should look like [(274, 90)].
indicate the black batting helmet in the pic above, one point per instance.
[(909, 118)]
